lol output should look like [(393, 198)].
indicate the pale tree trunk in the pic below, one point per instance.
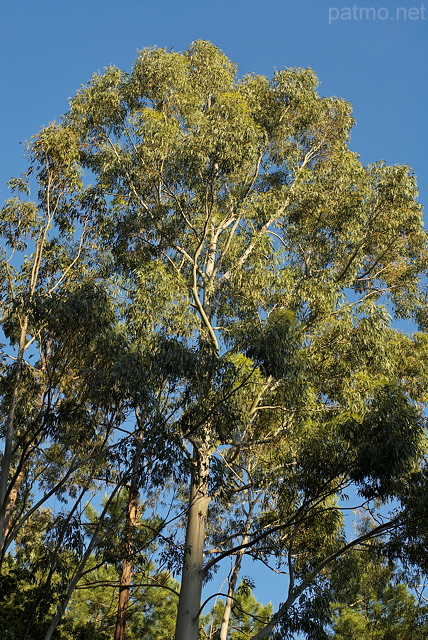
[(132, 515), (189, 602), (192, 577), (234, 579), (224, 627)]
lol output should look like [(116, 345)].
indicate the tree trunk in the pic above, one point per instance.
[(126, 576), (10, 504), (132, 515), (192, 577), (7, 499), (80, 569), (231, 591)]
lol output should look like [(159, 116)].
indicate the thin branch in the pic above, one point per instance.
[(73, 262), (377, 531)]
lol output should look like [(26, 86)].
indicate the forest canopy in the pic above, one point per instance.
[(203, 366)]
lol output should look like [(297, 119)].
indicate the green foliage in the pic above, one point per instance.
[(370, 601), (211, 268), (273, 346), (389, 440)]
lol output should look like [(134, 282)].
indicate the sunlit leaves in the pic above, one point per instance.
[(211, 266), (19, 220), (99, 104)]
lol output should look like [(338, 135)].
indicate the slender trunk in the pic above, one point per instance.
[(132, 515), (230, 593), (6, 495), (234, 579), (80, 569), (10, 504), (44, 588), (192, 576), (189, 602), (124, 592)]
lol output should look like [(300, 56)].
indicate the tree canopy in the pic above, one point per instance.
[(201, 305)]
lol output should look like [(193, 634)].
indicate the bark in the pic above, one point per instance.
[(7, 497), (132, 515), (189, 602), (10, 505), (192, 576), (230, 593), (234, 579)]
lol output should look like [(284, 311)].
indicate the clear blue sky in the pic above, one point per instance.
[(372, 53)]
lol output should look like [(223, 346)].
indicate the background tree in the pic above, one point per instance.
[(372, 601)]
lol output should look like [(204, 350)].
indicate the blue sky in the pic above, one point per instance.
[(372, 53)]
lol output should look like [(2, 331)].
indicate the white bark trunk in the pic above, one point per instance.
[(192, 577), (235, 575)]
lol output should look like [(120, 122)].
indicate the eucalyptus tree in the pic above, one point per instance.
[(51, 311), (59, 425), (261, 265)]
